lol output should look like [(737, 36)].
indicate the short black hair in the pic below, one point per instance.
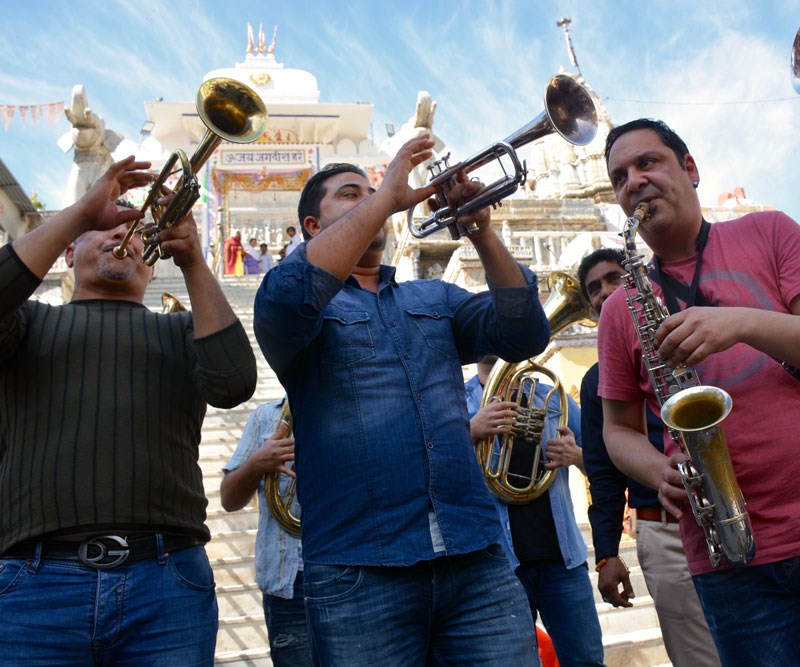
[(667, 135), (125, 203), (593, 259), (314, 190)]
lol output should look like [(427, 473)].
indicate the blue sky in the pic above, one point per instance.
[(718, 72)]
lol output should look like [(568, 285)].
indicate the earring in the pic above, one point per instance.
[(695, 183)]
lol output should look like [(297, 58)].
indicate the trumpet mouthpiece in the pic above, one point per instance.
[(120, 252)]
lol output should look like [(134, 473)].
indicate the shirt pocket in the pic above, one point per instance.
[(347, 338), (435, 323)]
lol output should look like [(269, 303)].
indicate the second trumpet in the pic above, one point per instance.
[(569, 111)]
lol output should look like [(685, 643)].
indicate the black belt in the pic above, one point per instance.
[(102, 552)]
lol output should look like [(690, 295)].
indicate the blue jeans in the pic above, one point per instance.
[(289, 642), (565, 600), (454, 610), (754, 613), (160, 612)]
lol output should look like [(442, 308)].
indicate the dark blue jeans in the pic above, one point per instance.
[(565, 600), (157, 612), (289, 642), (753, 613), (456, 610)]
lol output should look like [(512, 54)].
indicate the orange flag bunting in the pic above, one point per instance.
[(37, 112), (9, 114)]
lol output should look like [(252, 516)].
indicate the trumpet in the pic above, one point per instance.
[(569, 111), (230, 110)]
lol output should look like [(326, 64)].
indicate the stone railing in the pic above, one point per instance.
[(542, 251)]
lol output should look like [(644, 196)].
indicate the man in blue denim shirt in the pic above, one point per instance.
[(400, 534), (542, 537)]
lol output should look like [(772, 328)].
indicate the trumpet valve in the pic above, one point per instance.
[(148, 234), (440, 165)]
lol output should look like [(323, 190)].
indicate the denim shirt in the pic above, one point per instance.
[(385, 466), (570, 540), (278, 555)]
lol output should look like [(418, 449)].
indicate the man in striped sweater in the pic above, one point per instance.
[(102, 506)]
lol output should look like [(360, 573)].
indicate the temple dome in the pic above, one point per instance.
[(269, 78)]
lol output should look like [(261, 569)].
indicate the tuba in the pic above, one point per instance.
[(280, 490), (569, 111), (693, 414), (565, 306), (230, 110)]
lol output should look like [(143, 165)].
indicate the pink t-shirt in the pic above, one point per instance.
[(752, 262)]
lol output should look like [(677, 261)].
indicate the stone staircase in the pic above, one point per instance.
[(242, 637), (631, 636)]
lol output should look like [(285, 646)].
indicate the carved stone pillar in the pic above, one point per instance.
[(416, 267), (569, 183)]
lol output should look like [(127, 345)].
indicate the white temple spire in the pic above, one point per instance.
[(564, 25)]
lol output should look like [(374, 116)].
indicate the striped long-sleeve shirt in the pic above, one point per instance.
[(101, 405)]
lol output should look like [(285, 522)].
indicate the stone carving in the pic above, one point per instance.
[(420, 123), (426, 108), (92, 142)]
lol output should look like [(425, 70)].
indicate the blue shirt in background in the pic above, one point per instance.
[(278, 555)]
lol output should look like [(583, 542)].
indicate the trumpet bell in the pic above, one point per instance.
[(231, 110), (568, 111)]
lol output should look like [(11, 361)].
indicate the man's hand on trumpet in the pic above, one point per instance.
[(179, 241), (97, 210), (478, 221), (395, 181)]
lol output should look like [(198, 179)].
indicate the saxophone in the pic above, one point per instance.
[(692, 413)]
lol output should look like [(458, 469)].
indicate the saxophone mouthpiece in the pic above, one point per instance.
[(641, 211)]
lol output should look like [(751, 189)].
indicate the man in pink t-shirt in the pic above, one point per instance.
[(734, 304)]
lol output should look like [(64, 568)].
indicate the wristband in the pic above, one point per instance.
[(601, 564), (604, 561)]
